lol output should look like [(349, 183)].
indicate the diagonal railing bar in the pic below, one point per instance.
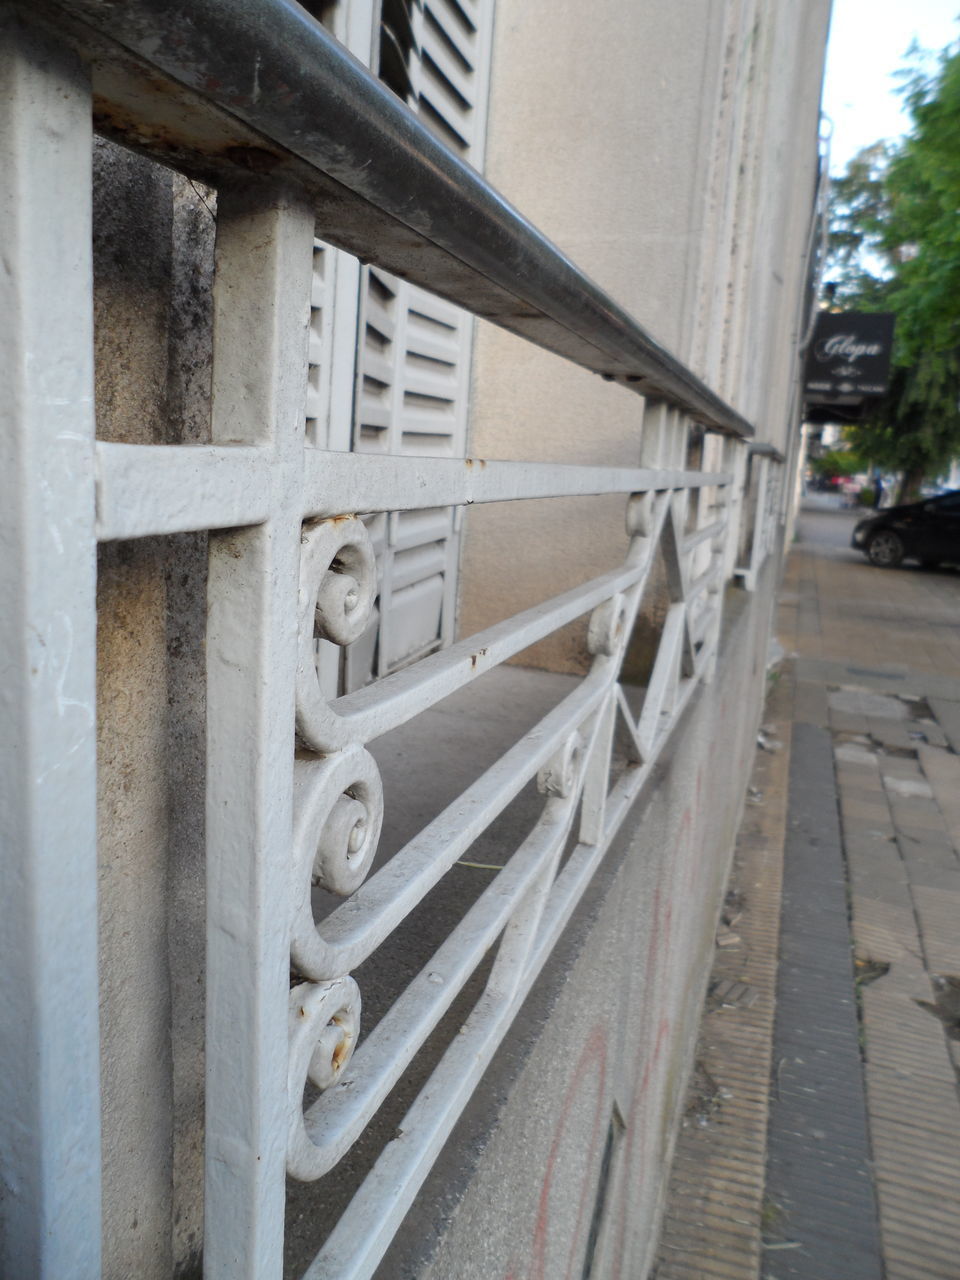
[(513, 902), (629, 721), (351, 932), (397, 698), (516, 905), (663, 678), (363, 1233), (593, 802), (695, 539), (709, 578)]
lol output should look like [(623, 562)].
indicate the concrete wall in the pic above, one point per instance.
[(670, 149), (153, 268)]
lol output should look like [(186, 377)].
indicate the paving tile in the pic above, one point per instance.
[(903, 736), (947, 713), (916, 1210), (898, 795), (818, 1151), (930, 1246), (938, 910), (810, 704), (860, 815), (847, 722), (726, 1159), (906, 768)]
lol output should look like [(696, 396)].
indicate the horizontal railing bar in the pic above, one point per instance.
[(385, 188), (763, 450), (362, 482), (152, 489)]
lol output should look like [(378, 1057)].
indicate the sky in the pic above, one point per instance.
[(868, 41)]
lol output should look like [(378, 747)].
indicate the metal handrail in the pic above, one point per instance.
[(763, 450), (391, 192)]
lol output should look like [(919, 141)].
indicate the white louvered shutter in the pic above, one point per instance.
[(413, 349)]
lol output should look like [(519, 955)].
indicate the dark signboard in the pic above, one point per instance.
[(849, 357)]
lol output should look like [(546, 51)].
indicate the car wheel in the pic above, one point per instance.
[(885, 549)]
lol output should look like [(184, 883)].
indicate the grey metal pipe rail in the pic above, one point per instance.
[(762, 450), (292, 103)]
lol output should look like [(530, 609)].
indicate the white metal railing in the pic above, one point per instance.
[(286, 547), (299, 542), (767, 514)]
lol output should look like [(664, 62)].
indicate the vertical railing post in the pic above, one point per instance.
[(759, 550), (735, 463), (262, 292), (49, 1022)]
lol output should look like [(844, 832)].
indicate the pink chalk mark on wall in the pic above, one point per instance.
[(590, 1071), (644, 1099)]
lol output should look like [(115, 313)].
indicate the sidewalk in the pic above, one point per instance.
[(823, 1128)]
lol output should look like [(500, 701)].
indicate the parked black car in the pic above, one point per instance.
[(928, 531)]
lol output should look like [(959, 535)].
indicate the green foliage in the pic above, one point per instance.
[(857, 264), (895, 246), (838, 462)]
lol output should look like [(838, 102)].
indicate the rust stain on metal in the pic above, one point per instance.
[(343, 1046), (311, 524), (474, 462)]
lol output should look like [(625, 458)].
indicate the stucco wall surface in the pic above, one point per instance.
[(152, 271), (670, 149)]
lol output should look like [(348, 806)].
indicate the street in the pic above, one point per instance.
[(822, 1138)]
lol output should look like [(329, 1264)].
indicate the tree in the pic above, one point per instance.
[(857, 263), (837, 462), (895, 246)]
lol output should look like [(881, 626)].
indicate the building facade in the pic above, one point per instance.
[(382, 682)]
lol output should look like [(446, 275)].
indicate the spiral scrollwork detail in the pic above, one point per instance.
[(607, 624), (324, 1025), (560, 775), (338, 814), (338, 585), (640, 514), (338, 580)]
